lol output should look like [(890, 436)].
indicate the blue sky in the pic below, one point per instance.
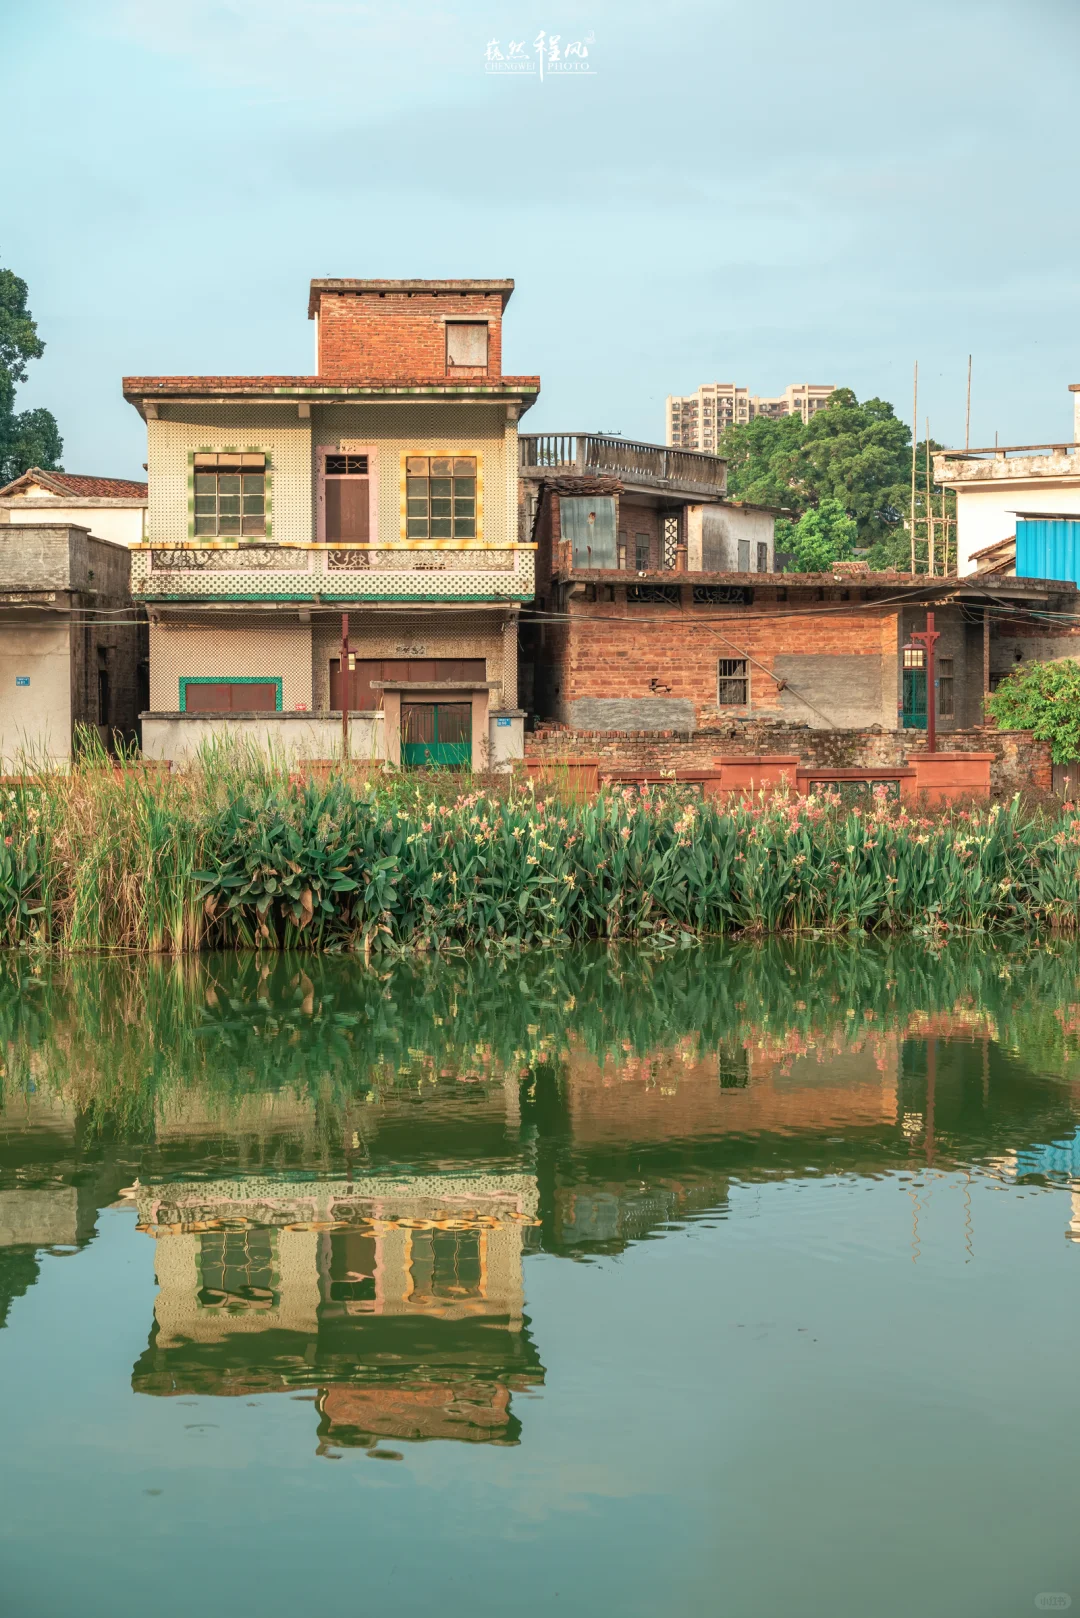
[(754, 193)]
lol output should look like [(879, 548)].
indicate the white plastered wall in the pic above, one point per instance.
[(123, 525), (987, 513), (35, 719), (713, 534)]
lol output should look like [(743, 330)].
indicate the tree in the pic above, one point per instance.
[(823, 535), (858, 454), (30, 437), (1045, 699)]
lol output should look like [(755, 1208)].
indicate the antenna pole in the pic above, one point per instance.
[(967, 418), (914, 440)]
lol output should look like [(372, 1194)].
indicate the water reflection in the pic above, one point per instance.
[(344, 1171), (400, 1299)]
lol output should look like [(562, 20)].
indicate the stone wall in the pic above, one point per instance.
[(1021, 764)]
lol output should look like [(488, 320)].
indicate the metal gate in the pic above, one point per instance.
[(436, 734), (914, 713)]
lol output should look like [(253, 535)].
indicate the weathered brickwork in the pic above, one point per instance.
[(388, 336), (835, 669), (1021, 764)]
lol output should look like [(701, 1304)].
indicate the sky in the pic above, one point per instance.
[(761, 194)]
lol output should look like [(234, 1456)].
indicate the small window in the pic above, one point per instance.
[(641, 552), (440, 493), (229, 502), (946, 690), (467, 345), (732, 682), (762, 558)]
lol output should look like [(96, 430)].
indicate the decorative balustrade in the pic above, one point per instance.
[(652, 465), (287, 571)]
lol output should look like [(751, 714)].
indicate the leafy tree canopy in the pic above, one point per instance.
[(30, 437), (823, 535), (857, 454), (1045, 699)]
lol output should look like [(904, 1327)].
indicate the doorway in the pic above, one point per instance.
[(436, 735)]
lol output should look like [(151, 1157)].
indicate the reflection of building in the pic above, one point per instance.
[(400, 1300)]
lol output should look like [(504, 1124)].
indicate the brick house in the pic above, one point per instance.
[(375, 499), (690, 643)]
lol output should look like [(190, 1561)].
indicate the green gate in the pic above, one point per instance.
[(436, 735), (914, 714)]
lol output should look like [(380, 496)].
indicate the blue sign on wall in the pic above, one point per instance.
[(22, 679), (503, 722)]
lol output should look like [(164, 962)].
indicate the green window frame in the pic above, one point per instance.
[(440, 497), (232, 679)]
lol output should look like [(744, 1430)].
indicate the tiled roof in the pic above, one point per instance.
[(75, 483)]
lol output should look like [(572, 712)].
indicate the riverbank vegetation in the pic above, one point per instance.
[(233, 853)]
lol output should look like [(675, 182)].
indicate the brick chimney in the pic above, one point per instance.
[(409, 331)]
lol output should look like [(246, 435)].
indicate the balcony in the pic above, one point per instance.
[(637, 466), (438, 570)]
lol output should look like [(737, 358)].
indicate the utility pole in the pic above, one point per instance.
[(347, 663), (967, 418)]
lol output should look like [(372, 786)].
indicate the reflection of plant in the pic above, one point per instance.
[(119, 1043)]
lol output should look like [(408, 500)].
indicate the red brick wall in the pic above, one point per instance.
[(616, 650), (385, 336), (1021, 764), (634, 520)]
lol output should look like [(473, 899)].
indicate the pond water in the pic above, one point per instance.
[(722, 1281)]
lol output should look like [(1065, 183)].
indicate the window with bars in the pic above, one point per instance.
[(641, 552), (732, 682), (440, 494), (762, 557), (946, 689), (230, 495)]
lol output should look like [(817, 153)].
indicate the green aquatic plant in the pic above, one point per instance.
[(235, 852)]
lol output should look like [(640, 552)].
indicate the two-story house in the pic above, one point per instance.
[(347, 539)]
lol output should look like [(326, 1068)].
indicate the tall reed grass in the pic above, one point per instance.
[(234, 853)]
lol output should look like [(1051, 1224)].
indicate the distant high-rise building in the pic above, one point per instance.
[(695, 420)]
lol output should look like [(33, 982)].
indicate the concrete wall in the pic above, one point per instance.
[(290, 737), (506, 739), (713, 535), (35, 719)]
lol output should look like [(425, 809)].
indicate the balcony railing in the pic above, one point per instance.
[(651, 465)]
